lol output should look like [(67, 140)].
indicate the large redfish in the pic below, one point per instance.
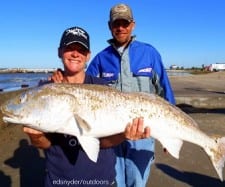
[(92, 111)]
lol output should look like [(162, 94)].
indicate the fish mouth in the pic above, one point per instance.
[(8, 117)]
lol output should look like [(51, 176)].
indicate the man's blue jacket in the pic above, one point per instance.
[(145, 61)]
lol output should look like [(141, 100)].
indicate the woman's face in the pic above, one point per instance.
[(74, 57)]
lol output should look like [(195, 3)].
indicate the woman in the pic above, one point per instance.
[(66, 162)]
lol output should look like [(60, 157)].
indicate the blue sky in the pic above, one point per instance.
[(187, 33)]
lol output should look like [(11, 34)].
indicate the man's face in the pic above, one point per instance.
[(121, 31)]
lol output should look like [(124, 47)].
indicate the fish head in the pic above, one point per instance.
[(39, 108), (17, 109)]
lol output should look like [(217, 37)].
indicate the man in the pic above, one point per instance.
[(66, 162), (131, 66)]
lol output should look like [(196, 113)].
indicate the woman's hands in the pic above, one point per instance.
[(136, 130), (38, 138)]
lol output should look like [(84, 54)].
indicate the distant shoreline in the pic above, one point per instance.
[(51, 70), (26, 70)]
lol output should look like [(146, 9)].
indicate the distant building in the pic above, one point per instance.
[(173, 66), (217, 67)]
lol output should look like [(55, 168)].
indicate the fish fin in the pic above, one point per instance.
[(90, 145), (70, 127), (173, 146), (218, 156), (82, 123)]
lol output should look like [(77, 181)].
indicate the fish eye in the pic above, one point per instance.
[(23, 98)]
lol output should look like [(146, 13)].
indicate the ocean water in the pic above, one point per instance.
[(16, 81)]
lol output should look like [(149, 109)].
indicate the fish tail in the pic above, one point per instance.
[(217, 156)]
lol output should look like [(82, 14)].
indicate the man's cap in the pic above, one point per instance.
[(121, 11), (75, 35)]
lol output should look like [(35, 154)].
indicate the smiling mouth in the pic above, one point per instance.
[(74, 60)]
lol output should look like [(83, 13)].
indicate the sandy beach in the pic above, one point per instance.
[(201, 96)]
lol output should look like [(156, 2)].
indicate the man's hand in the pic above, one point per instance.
[(57, 76), (136, 131)]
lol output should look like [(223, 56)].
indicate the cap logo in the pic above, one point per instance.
[(76, 31), (121, 8)]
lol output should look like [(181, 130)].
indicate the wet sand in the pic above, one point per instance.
[(201, 96)]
